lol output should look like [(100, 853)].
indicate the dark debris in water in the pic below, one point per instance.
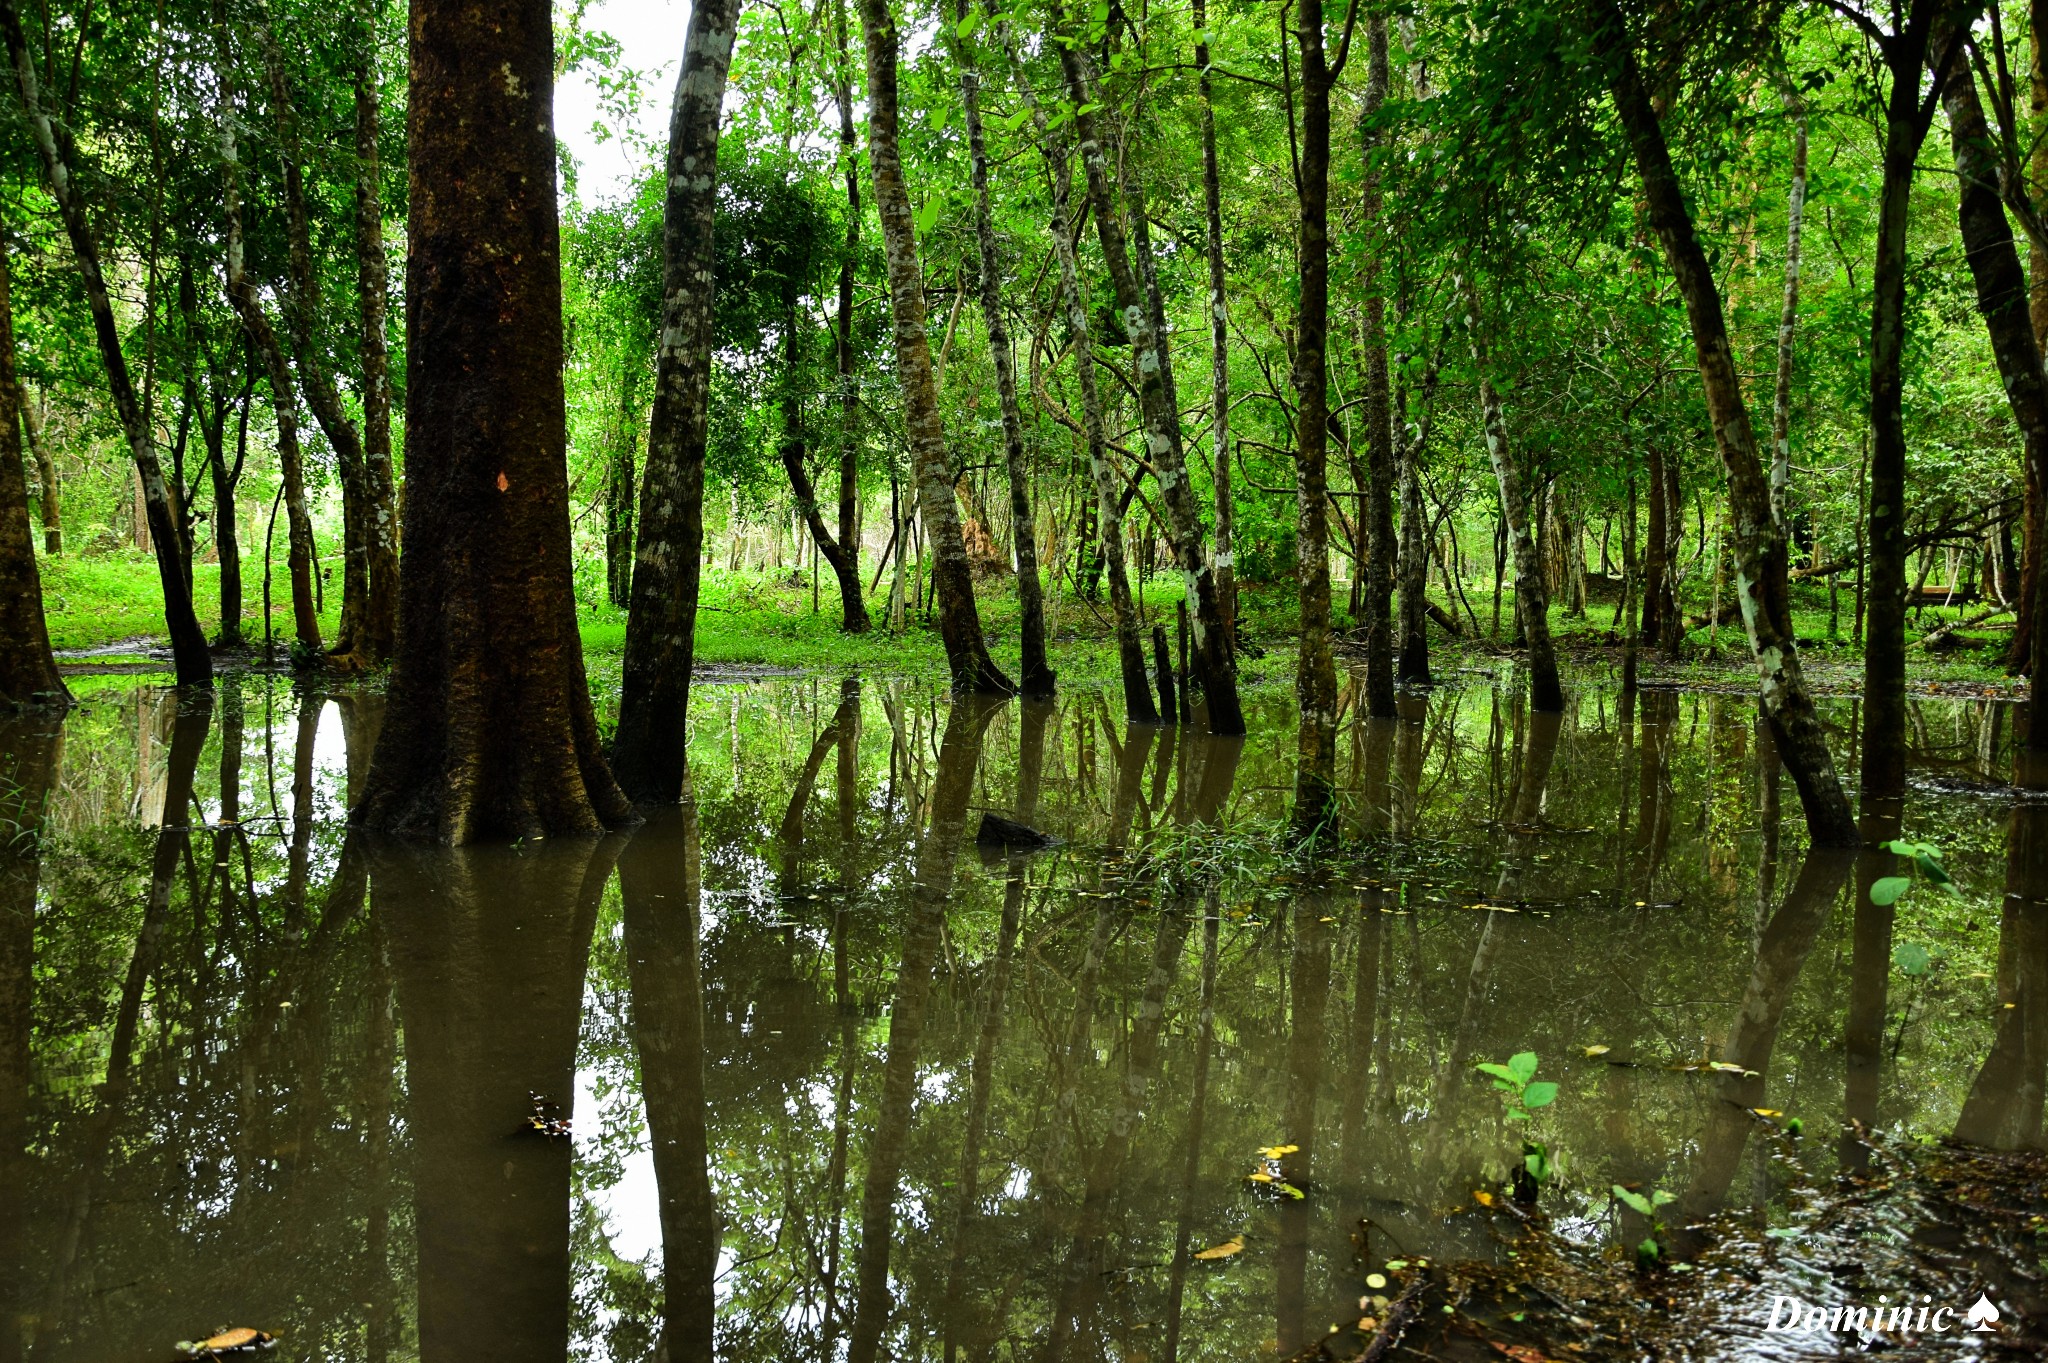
[(1925, 1229)]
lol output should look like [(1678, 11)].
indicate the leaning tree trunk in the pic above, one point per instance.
[(1035, 673), (1224, 557), (1212, 664), (1766, 615), (490, 731), (376, 627), (1109, 496), (2001, 297), (853, 610), (248, 306), (1377, 511), (661, 625), (967, 653), (193, 665), (1532, 602), (1315, 674), (28, 670)]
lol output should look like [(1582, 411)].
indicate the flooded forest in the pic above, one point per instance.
[(1139, 681)]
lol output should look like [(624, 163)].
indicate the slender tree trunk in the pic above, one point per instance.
[(1766, 614), (376, 625), (1225, 556), (1656, 562), (28, 670), (1884, 636), (849, 387), (1035, 673), (1109, 504), (1315, 677), (491, 731), (1377, 511), (248, 306), (2002, 299), (792, 448), (49, 495), (618, 497), (188, 642), (1532, 602), (227, 537), (952, 579), (1412, 660), (1213, 667), (1788, 323), (661, 626)]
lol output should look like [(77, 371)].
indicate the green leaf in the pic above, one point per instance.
[(1886, 891), (928, 218), (1635, 1200), (1523, 1065), (970, 25), (1911, 958), (1539, 1095), (1660, 1197), (1500, 1072)]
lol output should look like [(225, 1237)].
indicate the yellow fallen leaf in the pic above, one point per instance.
[(1259, 1176), (1483, 1198), (1767, 1112), (1375, 1281), (243, 1340), (1223, 1251), (1276, 1151), (1592, 1051)]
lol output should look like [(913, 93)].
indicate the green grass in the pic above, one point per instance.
[(767, 620)]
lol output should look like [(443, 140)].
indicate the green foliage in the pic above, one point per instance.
[(1926, 862), (1520, 1089)]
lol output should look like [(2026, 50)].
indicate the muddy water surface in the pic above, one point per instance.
[(797, 1071)]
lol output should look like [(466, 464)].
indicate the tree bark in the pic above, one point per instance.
[(491, 731), (1214, 669), (1109, 495), (1532, 602), (2019, 655), (661, 626), (1035, 674), (1788, 323), (1315, 676), (791, 448), (28, 670), (849, 387), (189, 655), (618, 498), (49, 496), (1884, 636), (375, 635), (2002, 299), (967, 653), (248, 306), (1225, 555), (226, 521), (1377, 512), (1766, 614)]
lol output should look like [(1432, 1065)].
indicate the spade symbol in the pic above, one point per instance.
[(1982, 1316)]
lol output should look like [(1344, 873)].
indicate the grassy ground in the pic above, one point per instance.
[(747, 619)]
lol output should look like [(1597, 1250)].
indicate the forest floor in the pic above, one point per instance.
[(105, 613)]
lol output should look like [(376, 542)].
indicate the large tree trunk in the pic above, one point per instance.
[(248, 306), (2019, 655), (1532, 602), (2002, 298), (28, 670), (1315, 675), (1035, 673), (853, 610), (188, 642), (1212, 664), (1377, 511), (1109, 495), (661, 627), (1766, 614), (1224, 558), (376, 626), (967, 653), (1884, 635), (491, 731)]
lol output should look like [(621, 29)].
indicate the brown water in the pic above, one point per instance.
[(839, 1086)]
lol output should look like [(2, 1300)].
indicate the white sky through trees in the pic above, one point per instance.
[(608, 156)]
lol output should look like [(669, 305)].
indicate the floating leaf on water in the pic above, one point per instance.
[(1482, 1197), (1765, 1112), (238, 1341), (1276, 1151), (1259, 1176), (1727, 1067), (1592, 1051), (1223, 1251), (1375, 1281)]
